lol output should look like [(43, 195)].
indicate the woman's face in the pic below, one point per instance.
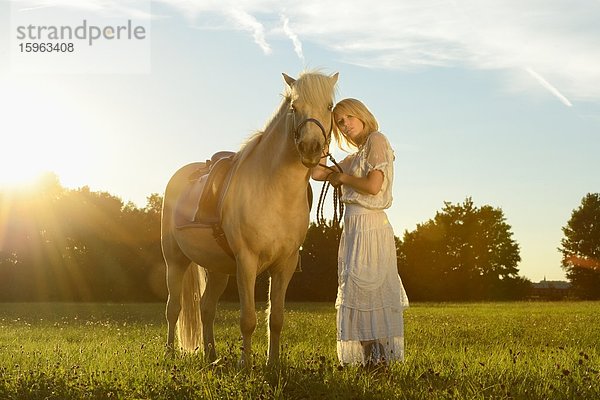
[(350, 126)]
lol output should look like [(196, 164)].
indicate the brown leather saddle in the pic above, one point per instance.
[(199, 205), (212, 194)]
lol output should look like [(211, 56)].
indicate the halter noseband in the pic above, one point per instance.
[(296, 129)]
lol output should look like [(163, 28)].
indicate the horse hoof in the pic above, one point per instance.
[(244, 364), (169, 351)]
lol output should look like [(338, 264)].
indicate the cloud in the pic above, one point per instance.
[(553, 39), (132, 8), (293, 37), (39, 7), (247, 22), (549, 38)]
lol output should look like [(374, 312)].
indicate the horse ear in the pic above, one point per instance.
[(288, 79), (335, 77)]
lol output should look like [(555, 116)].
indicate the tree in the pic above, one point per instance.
[(74, 245), (581, 248), (29, 239), (317, 281), (463, 253)]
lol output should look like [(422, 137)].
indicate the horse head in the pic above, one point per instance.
[(310, 117)]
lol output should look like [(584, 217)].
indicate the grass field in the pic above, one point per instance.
[(453, 351)]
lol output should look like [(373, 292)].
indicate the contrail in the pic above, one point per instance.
[(292, 35), (548, 86), (248, 22)]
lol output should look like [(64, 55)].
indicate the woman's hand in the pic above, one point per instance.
[(322, 171), (335, 178), (371, 184)]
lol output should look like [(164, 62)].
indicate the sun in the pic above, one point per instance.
[(22, 179), (36, 130)]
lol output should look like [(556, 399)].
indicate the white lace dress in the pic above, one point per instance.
[(371, 297)]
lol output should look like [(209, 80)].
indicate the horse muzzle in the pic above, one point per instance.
[(311, 162), (311, 150), (310, 153)]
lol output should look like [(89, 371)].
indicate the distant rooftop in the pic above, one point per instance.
[(551, 285)]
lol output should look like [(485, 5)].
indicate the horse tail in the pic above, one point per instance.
[(189, 324)]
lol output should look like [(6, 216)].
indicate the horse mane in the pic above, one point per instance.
[(311, 86), (255, 138)]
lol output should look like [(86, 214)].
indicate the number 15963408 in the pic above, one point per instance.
[(46, 47)]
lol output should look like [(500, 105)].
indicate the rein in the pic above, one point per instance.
[(338, 206)]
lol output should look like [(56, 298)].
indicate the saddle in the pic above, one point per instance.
[(208, 205), (199, 204)]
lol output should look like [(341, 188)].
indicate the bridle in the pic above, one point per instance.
[(327, 136), (296, 128), (338, 206)]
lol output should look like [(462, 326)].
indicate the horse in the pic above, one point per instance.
[(264, 216)]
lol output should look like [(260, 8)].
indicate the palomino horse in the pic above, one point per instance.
[(264, 216)]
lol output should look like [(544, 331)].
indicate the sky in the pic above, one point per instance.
[(494, 100)]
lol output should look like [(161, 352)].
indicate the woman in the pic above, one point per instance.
[(371, 298)]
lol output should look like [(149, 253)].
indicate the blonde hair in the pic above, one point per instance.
[(357, 109)]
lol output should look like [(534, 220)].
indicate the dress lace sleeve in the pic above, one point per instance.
[(345, 163), (375, 154), (379, 152)]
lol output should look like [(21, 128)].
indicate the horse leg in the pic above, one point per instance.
[(175, 273), (246, 279), (216, 283), (278, 287)]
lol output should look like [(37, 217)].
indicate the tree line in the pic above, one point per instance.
[(59, 244)]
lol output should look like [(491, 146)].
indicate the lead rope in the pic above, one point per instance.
[(338, 206)]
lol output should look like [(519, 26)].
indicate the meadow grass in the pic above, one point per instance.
[(453, 351)]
